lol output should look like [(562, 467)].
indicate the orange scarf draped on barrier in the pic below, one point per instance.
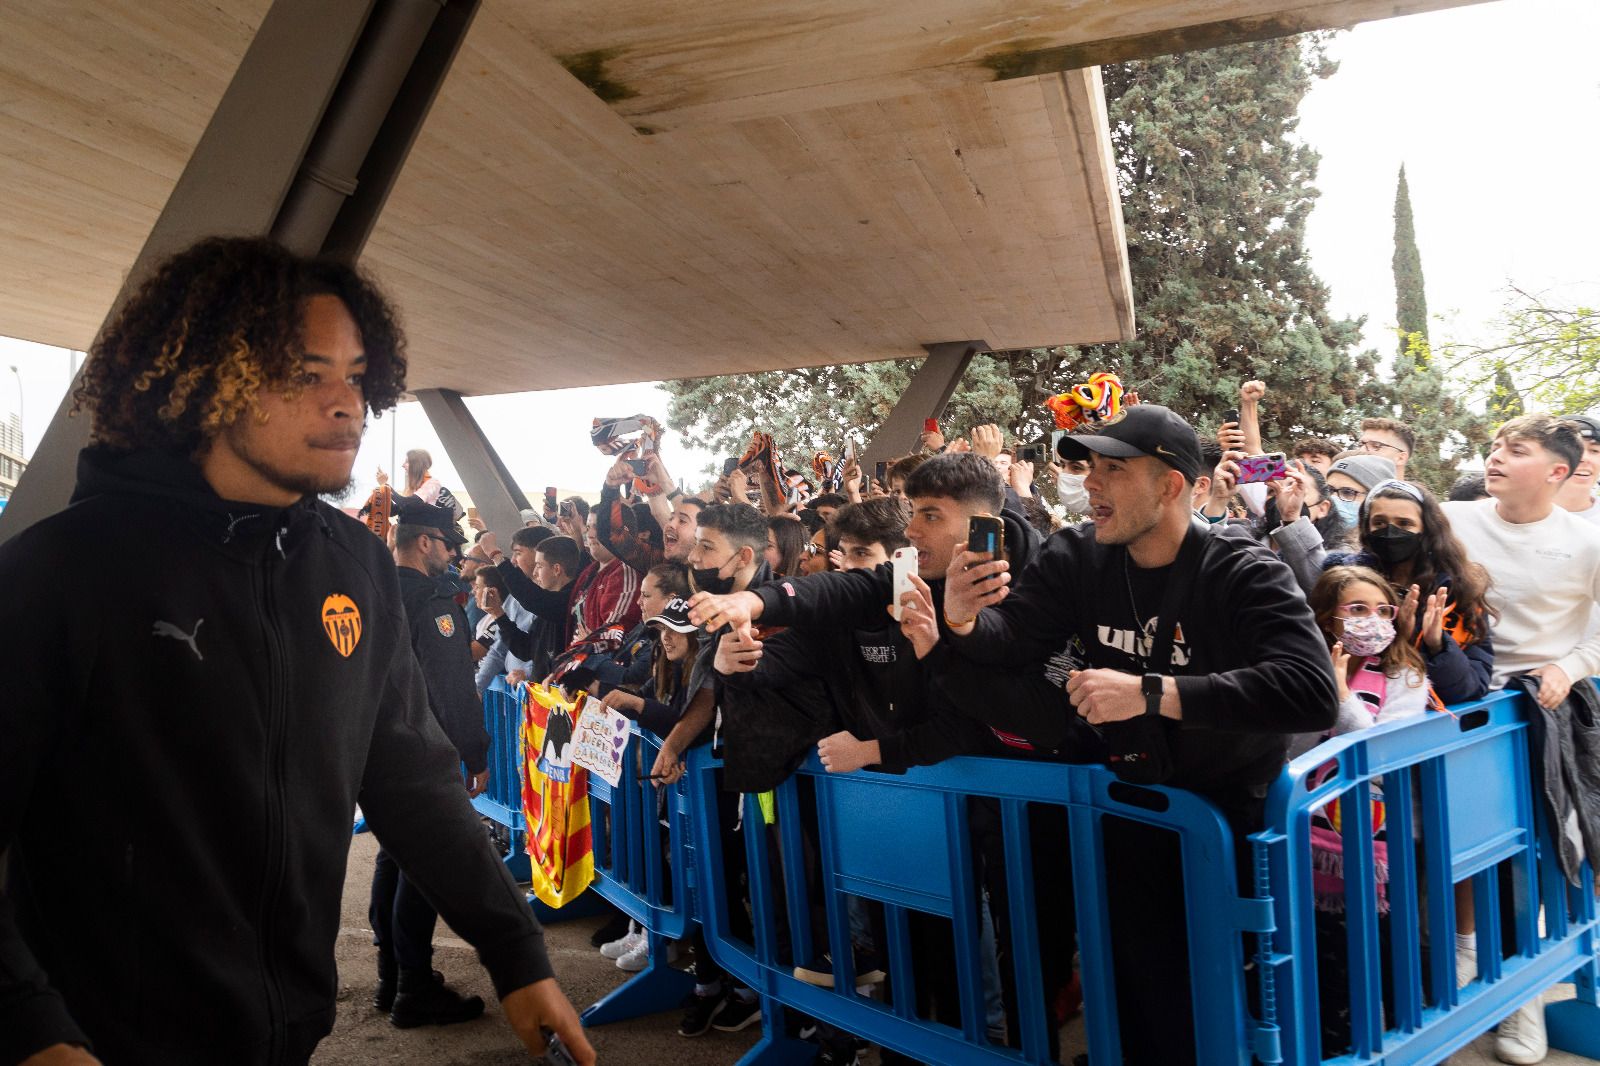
[(555, 797)]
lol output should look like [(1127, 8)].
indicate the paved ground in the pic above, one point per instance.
[(363, 1036)]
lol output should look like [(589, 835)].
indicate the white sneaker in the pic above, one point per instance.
[(1466, 959), (618, 948), (1521, 1038), (638, 958)]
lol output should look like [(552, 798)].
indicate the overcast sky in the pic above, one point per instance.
[(1493, 108)]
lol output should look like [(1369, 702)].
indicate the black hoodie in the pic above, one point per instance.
[(198, 694), (1251, 666), (885, 693)]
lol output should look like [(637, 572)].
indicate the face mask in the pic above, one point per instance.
[(1367, 636), (711, 580), (1349, 510), (1074, 497), (1393, 544)]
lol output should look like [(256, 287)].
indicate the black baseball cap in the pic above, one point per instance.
[(1145, 430), (413, 512), (1588, 426), (675, 616)]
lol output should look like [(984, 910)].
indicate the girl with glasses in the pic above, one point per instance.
[(1381, 679), (1443, 612)]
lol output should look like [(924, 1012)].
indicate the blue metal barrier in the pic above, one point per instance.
[(904, 841), (501, 802), (1458, 785), (645, 868), (1460, 806)]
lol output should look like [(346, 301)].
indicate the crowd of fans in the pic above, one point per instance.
[(1159, 606)]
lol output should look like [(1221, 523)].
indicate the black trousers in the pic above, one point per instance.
[(402, 920)]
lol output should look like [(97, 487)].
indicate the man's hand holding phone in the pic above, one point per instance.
[(738, 652), (975, 580), (621, 471), (736, 609), (918, 621)]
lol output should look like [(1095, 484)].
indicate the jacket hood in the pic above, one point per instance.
[(173, 479), (1022, 540)]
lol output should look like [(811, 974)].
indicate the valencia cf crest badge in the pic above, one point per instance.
[(341, 620), (446, 624)]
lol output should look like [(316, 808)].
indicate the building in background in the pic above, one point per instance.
[(11, 461)]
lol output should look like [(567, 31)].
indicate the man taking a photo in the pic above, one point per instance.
[(1196, 656)]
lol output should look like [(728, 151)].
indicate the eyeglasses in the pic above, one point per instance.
[(1378, 446), (1348, 495), (1363, 610), (810, 548)]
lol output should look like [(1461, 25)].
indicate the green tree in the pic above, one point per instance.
[(1505, 402), (1216, 188), (1411, 303), (1447, 428), (1553, 350)]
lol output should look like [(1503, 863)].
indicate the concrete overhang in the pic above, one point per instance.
[(646, 188)]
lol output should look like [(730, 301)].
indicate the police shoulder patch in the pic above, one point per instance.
[(446, 625)]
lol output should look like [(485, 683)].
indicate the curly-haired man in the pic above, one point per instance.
[(178, 765)]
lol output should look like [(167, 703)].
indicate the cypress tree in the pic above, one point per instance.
[(1411, 305)]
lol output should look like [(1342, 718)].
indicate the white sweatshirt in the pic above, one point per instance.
[(1544, 581)]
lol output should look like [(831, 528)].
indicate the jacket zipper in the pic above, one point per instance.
[(275, 821)]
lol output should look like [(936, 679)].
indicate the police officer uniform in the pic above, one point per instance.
[(402, 919)]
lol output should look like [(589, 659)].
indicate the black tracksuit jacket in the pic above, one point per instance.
[(198, 694)]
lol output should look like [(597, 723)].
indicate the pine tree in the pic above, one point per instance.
[(1216, 189), (1411, 304)]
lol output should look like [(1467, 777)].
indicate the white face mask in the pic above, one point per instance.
[(1074, 497)]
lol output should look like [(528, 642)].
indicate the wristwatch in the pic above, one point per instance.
[(1151, 686)]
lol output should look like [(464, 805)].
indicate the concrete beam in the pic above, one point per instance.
[(493, 490), (326, 98), (925, 397)]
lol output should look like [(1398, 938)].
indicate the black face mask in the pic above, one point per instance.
[(710, 580), (1394, 545)]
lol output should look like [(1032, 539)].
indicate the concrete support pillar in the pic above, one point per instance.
[(494, 493), (925, 397), (304, 145)]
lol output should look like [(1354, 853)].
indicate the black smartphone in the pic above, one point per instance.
[(1030, 453), (1230, 416), (729, 466), (550, 499), (640, 467), (555, 1052), (986, 533), (880, 474)]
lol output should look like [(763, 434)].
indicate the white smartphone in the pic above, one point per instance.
[(904, 561)]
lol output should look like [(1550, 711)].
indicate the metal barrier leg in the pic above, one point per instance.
[(660, 986), (517, 861), (1574, 1025), (587, 905)]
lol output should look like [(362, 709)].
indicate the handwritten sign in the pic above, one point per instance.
[(599, 740)]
